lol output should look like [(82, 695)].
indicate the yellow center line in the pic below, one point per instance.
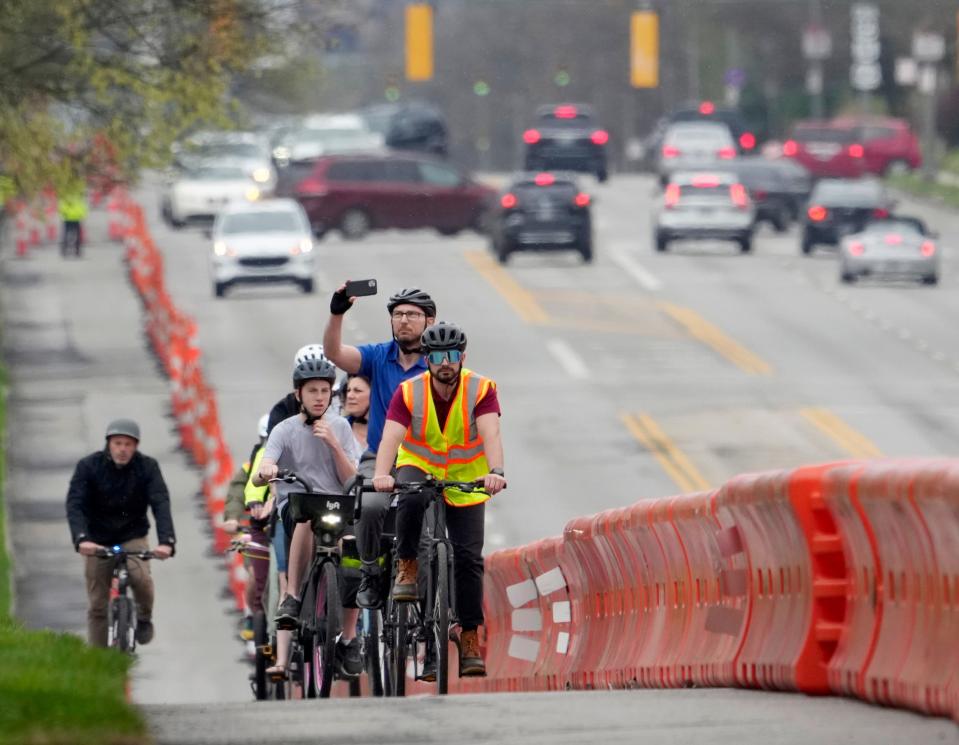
[(699, 328), (849, 439), (515, 294), (673, 461)]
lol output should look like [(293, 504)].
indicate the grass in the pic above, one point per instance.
[(915, 184), (54, 689)]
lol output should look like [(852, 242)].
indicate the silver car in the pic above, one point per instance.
[(705, 206), (897, 247), (268, 241), (694, 146)]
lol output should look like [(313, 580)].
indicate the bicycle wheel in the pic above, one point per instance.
[(440, 616), (123, 624), (259, 662), (327, 628), (400, 649), (371, 651)]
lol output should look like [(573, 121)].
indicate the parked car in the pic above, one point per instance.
[(826, 150), (410, 125), (889, 144), (840, 207), (566, 137), (362, 192), (694, 146), (705, 206), (896, 247), (707, 111), (542, 212), (267, 241), (196, 195), (779, 188)]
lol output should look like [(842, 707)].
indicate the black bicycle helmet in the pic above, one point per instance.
[(412, 296), (313, 369), (443, 336)]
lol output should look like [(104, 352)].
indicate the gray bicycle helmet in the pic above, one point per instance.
[(126, 427), (412, 296), (442, 336), (313, 369)]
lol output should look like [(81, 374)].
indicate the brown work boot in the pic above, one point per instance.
[(471, 658), (404, 589)]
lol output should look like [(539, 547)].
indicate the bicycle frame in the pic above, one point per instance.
[(121, 610)]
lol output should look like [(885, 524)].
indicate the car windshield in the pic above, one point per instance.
[(824, 134), (847, 192), (566, 120), (217, 173), (230, 150), (909, 226), (699, 134), (710, 191), (272, 221)]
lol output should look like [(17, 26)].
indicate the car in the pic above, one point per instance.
[(249, 150), (826, 150), (566, 137), (839, 207), (707, 111), (777, 187), (896, 246), (694, 146), (268, 241), (410, 125), (705, 206), (889, 144), (356, 193), (312, 142), (542, 212), (197, 194)]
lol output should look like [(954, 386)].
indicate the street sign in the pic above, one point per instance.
[(928, 47), (865, 73), (865, 77), (907, 71), (816, 43), (735, 77)]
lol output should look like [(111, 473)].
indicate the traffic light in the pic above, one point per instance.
[(644, 49), (419, 41)]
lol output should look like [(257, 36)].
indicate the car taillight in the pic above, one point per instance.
[(565, 112), (759, 195), (582, 200), (817, 213), (738, 193), (856, 151), (928, 248), (311, 187), (670, 152), (600, 137), (857, 248), (727, 153), (790, 148), (707, 107), (705, 182), (893, 239), (531, 136), (880, 212), (508, 201), (544, 179), (747, 140), (672, 196)]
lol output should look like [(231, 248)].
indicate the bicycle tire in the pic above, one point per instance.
[(259, 661), (371, 650), (123, 624), (440, 616), (327, 628), (400, 648)]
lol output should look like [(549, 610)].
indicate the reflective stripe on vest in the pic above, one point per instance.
[(454, 453)]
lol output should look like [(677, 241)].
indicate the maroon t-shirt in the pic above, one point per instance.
[(399, 413)]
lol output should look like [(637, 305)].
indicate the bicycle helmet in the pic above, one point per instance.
[(412, 296), (442, 336), (125, 427), (314, 369), (310, 351), (262, 427)]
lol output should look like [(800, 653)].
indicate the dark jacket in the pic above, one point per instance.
[(108, 505), (283, 409)]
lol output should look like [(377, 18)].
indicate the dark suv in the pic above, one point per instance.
[(363, 192), (566, 137), (840, 207), (542, 211), (409, 126)]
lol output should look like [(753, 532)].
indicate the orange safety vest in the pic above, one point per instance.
[(456, 452)]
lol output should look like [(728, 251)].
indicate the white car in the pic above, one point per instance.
[(896, 247), (249, 150), (705, 206), (694, 146), (268, 241), (198, 194)]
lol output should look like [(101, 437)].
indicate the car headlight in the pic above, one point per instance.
[(306, 245), (252, 194), (261, 175), (221, 249), (331, 519)]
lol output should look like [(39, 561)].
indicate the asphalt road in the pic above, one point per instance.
[(638, 376)]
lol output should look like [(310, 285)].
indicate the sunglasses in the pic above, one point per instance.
[(453, 355)]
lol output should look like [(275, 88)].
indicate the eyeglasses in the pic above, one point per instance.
[(453, 355), (412, 315)]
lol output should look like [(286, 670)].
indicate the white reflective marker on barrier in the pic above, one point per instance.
[(562, 612), (562, 642), (523, 648), (521, 593), (527, 619), (550, 581)]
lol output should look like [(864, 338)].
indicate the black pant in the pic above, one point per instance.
[(71, 237), (465, 526)]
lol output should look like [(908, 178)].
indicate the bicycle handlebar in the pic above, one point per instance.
[(107, 552)]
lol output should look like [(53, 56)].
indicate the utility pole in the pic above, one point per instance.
[(816, 46)]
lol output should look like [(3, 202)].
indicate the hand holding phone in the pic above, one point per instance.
[(360, 288)]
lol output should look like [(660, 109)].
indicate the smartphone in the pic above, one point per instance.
[(361, 287)]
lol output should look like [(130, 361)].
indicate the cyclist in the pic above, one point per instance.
[(356, 406), (445, 423), (72, 206), (385, 365), (318, 445), (107, 502)]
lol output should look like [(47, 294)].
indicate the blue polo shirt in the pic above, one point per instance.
[(378, 362)]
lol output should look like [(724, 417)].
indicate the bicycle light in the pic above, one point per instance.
[(116, 549), (331, 520)]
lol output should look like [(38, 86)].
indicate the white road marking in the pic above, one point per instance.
[(571, 362), (634, 269)]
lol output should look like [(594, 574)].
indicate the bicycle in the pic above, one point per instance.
[(431, 620), (70, 243), (314, 645), (122, 612)]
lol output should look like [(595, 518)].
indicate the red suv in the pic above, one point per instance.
[(826, 150), (363, 192), (889, 144)]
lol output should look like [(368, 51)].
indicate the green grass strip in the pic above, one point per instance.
[(5, 566), (914, 184)]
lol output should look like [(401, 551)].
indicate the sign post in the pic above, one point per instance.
[(928, 49), (865, 73), (816, 47)]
